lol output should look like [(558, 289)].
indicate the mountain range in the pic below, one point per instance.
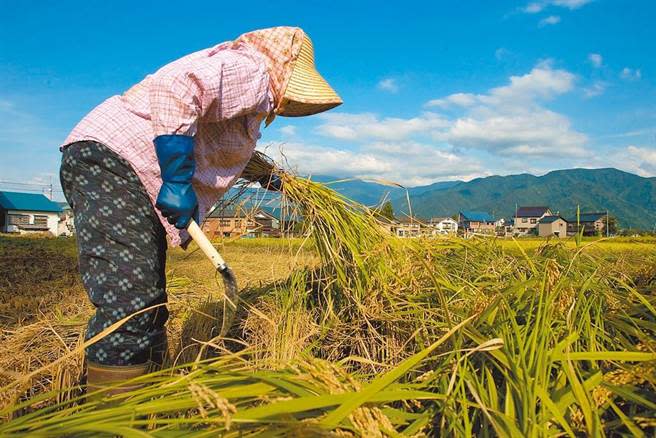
[(628, 197)]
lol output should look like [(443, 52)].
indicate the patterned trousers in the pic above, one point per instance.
[(122, 253)]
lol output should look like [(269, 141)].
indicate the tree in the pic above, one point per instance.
[(387, 211), (612, 225)]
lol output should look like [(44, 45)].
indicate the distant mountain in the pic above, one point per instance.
[(372, 193), (629, 197)]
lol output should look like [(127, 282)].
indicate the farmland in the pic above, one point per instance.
[(446, 336)]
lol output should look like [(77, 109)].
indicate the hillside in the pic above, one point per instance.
[(629, 197), (372, 193)]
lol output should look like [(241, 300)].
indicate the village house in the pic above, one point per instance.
[(526, 219), (29, 213), (408, 227), (552, 226), (387, 224), (287, 222), (476, 222), (592, 224), (238, 222), (443, 225)]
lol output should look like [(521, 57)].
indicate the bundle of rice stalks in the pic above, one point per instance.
[(348, 238)]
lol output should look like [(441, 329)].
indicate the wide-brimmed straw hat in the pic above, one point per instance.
[(307, 91)]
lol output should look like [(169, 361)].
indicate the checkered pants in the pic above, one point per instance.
[(122, 253)]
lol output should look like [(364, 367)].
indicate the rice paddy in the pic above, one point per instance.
[(351, 332)]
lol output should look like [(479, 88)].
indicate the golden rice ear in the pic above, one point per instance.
[(307, 91)]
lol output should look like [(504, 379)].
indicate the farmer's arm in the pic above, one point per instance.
[(220, 87)]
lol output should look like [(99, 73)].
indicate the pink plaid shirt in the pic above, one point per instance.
[(219, 95)]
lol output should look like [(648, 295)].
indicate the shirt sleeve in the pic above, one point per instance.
[(226, 85)]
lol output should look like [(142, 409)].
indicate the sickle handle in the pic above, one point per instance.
[(206, 246)]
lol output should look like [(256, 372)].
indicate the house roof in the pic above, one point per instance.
[(437, 220), (477, 216), (283, 214), (551, 219), (27, 202), (531, 211), (230, 211)]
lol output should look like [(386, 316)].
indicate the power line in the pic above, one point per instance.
[(44, 189)]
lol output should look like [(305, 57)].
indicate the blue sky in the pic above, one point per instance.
[(433, 91)]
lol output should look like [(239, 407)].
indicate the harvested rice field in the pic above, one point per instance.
[(351, 332)]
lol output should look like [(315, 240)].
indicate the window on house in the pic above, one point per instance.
[(224, 222), (534, 221), (41, 221), (524, 220), (18, 219)]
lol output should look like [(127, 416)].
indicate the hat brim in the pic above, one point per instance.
[(307, 91)]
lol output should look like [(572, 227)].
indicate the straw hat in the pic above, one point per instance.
[(307, 91)]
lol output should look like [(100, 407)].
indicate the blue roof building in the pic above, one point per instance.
[(476, 222), (476, 216), (25, 212), (27, 202)]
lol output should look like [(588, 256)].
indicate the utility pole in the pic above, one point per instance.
[(51, 187), (607, 223)]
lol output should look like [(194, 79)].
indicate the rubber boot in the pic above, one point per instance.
[(109, 378)]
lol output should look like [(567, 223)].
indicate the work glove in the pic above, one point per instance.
[(176, 199), (271, 182)]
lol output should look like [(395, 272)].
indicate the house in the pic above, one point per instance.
[(387, 224), (552, 226), (408, 227), (28, 213), (443, 225), (476, 222), (289, 222), (238, 222), (509, 226), (526, 219), (592, 224)]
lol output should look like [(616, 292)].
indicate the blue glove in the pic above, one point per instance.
[(177, 199)]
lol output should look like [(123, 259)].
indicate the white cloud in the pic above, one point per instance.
[(456, 99), (407, 162), (509, 123), (595, 59), (550, 20), (288, 130), (542, 82), (511, 119), (571, 4), (388, 84), (539, 6), (630, 74), (537, 132), (534, 8), (367, 126), (596, 89), (641, 160)]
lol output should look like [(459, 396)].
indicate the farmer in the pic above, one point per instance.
[(139, 166)]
